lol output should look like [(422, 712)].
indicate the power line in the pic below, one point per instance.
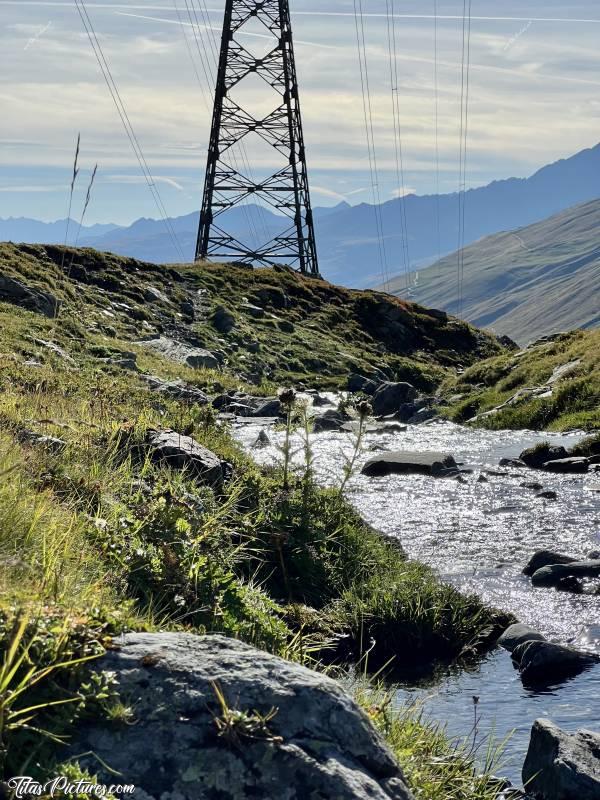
[(465, 154), (398, 146), (370, 134), (462, 158), (124, 117), (437, 127)]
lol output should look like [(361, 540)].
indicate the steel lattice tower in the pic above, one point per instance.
[(226, 186)]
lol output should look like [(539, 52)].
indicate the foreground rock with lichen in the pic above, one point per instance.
[(213, 718)]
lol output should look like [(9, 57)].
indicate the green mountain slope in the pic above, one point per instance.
[(553, 384), (524, 283), (262, 325)]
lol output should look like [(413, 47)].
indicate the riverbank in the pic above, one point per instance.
[(552, 384), (479, 532), (111, 523)]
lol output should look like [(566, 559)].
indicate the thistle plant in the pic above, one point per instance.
[(364, 411), (287, 398)]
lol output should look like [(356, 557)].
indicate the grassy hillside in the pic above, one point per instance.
[(531, 388), (97, 536), (276, 325), (525, 283)]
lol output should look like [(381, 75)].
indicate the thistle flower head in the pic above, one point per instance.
[(287, 397)]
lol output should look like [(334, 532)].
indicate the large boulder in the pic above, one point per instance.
[(538, 456), (552, 574), (399, 462), (332, 420), (216, 719), (573, 465), (195, 357), (542, 663), (184, 452), (29, 297), (562, 766), (389, 397), (544, 558), (518, 634), (177, 389)]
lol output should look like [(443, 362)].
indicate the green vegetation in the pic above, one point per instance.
[(436, 768), (97, 538), (571, 402), (278, 326)]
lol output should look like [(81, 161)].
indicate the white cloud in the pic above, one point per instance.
[(530, 104)]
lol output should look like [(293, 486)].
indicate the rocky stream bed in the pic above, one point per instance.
[(479, 530)]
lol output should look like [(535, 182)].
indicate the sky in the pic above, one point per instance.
[(533, 98)]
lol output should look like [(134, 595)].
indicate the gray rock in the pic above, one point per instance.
[(399, 462), (183, 452), (223, 320), (128, 364), (54, 348), (177, 389), (356, 383), (518, 634), (195, 357), (28, 297), (536, 487), (390, 396), (267, 407), (542, 663), (512, 462), (553, 573), (548, 495), (567, 465), (188, 309), (562, 766), (316, 743), (423, 415), (537, 457), (254, 311), (50, 443), (563, 371), (331, 420), (543, 558), (262, 440), (154, 295)]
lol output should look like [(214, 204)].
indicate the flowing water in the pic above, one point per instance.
[(479, 535)]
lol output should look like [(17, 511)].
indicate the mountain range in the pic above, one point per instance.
[(524, 283), (346, 235)]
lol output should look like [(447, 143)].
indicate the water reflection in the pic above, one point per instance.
[(479, 535)]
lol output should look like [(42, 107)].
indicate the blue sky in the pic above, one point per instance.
[(534, 98)]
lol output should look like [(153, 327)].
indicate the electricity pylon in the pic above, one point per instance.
[(226, 185)]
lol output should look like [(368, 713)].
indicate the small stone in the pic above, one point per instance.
[(54, 348), (154, 295), (223, 320), (536, 487), (184, 453), (262, 440)]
